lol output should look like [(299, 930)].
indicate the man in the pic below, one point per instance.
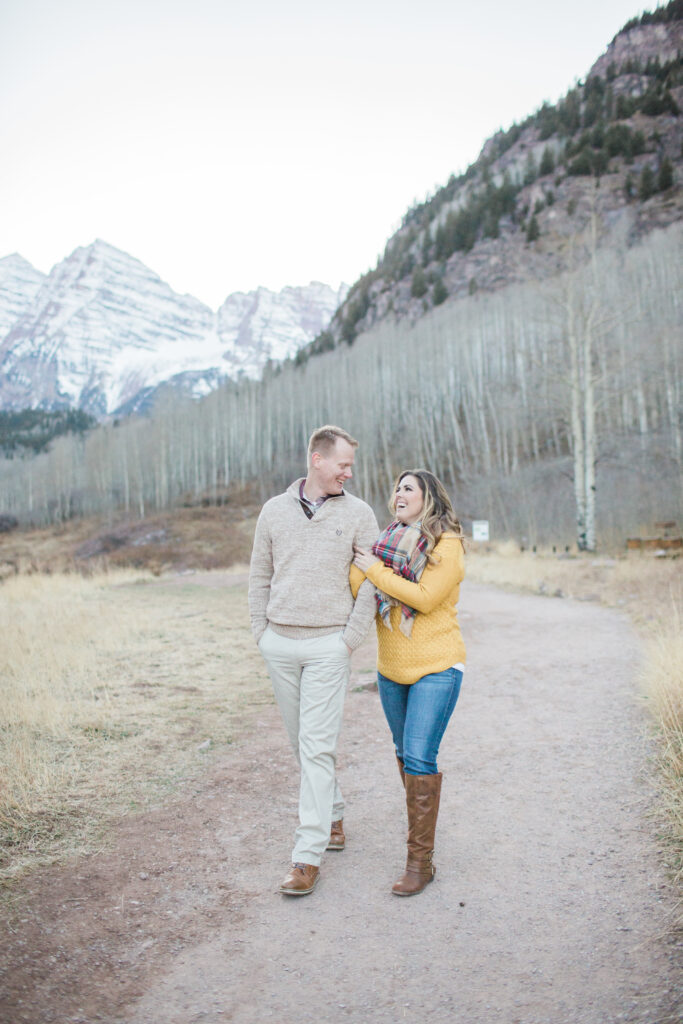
[(306, 624)]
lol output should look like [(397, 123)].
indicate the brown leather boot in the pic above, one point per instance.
[(301, 880), (422, 800), (402, 773), (337, 837)]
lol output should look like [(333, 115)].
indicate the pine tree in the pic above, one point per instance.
[(665, 177), (440, 292), (418, 286), (646, 186), (533, 231), (547, 162)]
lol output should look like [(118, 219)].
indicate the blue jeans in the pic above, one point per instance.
[(418, 716)]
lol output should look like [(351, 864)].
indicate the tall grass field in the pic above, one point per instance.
[(113, 689)]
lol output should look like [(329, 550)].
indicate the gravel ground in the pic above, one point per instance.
[(550, 906)]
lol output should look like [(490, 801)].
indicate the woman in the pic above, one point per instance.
[(417, 566)]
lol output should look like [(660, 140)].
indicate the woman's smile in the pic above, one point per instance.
[(408, 500)]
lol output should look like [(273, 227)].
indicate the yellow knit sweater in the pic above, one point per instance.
[(435, 642)]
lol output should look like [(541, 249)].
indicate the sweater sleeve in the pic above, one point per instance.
[(260, 576), (364, 606), (435, 584)]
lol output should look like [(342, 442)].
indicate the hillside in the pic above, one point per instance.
[(545, 389), (615, 140)]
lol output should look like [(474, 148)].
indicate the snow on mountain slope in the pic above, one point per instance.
[(19, 285), (262, 325), (102, 332)]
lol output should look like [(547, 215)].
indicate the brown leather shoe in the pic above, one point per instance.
[(337, 837), (301, 880)]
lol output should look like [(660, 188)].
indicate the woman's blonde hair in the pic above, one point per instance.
[(437, 511)]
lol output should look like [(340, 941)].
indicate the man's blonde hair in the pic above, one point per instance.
[(325, 438)]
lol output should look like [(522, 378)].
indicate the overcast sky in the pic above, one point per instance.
[(229, 145)]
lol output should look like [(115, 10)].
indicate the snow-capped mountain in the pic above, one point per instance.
[(102, 332), (19, 285), (263, 325)]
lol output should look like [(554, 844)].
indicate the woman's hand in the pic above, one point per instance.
[(363, 558)]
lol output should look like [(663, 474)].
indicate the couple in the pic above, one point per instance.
[(320, 571)]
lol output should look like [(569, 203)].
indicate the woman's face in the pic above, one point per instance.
[(408, 500)]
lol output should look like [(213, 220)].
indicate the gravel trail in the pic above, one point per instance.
[(550, 904)]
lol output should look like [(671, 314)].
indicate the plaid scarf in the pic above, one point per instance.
[(403, 549)]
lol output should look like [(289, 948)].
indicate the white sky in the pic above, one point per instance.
[(229, 146)]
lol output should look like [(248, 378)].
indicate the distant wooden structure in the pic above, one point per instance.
[(665, 541)]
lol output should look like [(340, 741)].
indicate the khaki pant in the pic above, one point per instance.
[(309, 679)]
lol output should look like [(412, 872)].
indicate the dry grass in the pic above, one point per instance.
[(639, 584), (663, 686), (650, 590), (199, 537), (110, 688)]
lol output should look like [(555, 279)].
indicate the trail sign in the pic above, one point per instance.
[(480, 529)]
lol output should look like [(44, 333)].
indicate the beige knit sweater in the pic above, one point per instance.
[(299, 574)]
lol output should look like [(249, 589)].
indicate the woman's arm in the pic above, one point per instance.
[(356, 577), (435, 584)]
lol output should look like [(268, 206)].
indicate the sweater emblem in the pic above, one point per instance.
[(339, 533)]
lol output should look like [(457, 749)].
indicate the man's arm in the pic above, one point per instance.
[(364, 607), (260, 576)]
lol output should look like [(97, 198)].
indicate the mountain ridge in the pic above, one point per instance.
[(102, 332), (612, 146)]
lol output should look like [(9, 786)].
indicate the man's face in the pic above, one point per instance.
[(335, 468)]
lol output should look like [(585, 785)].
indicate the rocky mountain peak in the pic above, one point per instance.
[(103, 332), (19, 285)]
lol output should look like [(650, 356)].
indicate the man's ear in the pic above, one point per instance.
[(315, 459)]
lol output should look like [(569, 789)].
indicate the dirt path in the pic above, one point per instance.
[(548, 908)]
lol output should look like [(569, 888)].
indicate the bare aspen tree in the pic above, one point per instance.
[(506, 395)]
